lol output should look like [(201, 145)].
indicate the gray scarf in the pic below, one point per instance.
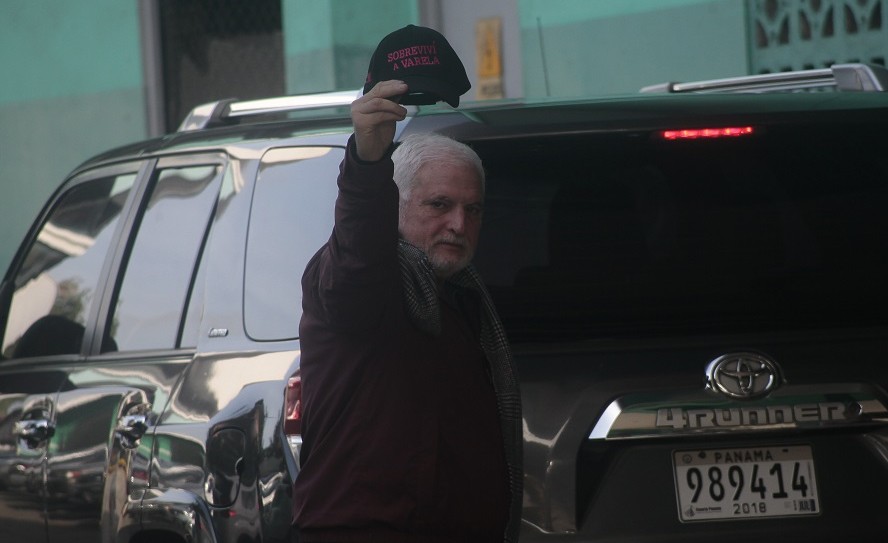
[(421, 299)]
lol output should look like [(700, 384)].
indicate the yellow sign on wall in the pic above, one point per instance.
[(488, 37)]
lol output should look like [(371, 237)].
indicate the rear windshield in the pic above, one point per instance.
[(593, 236)]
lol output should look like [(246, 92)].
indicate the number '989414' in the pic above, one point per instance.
[(743, 483)]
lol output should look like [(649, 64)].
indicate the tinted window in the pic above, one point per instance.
[(593, 236), (160, 269), (292, 216), (58, 282)]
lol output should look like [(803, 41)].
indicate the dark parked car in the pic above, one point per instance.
[(694, 282)]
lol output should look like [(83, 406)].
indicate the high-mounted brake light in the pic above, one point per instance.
[(696, 133)]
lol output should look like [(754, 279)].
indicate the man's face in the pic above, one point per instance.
[(442, 215)]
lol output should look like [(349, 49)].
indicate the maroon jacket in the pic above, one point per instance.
[(402, 440)]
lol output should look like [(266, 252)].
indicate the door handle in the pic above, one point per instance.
[(33, 431), (131, 428)]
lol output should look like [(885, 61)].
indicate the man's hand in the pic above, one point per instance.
[(374, 116)]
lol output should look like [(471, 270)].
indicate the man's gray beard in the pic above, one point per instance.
[(446, 268)]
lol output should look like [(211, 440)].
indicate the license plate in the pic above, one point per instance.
[(754, 482)]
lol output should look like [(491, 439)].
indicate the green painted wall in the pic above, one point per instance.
[(582, 47), (54, 48), (570, 11), (71, 87)]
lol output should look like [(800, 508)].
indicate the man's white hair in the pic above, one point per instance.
[(417, 150)]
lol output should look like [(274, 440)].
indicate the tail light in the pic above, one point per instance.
[(293, 414)]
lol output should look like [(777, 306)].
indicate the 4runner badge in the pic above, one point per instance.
[(743, 376)]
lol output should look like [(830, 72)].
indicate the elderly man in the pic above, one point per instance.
[(412, 423)]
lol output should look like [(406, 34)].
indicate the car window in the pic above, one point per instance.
[(590, 236), (292, 216), (161, 265), (57, 284)]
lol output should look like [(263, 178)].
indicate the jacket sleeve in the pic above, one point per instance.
[(351, 278)]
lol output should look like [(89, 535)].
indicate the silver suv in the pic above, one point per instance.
[(693, 281)]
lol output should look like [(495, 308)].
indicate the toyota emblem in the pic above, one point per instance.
[(743, 375)]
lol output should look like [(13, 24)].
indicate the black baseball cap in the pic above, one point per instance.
[(424, 60)]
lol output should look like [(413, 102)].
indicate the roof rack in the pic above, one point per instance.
[(843, 77), (216, 113)]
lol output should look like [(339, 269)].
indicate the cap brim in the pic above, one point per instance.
[(423, 90)]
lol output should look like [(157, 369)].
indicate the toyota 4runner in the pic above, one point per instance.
[(693, 279)]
